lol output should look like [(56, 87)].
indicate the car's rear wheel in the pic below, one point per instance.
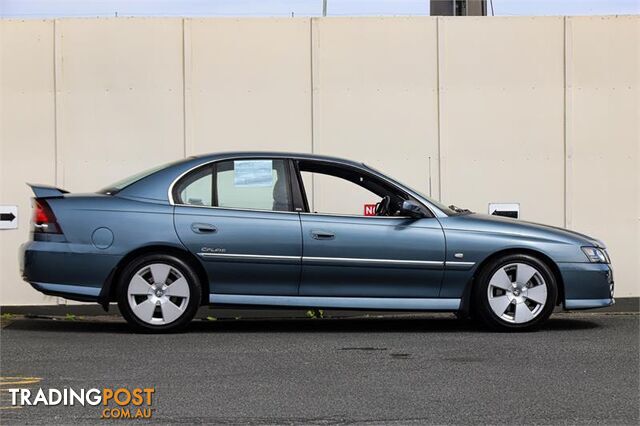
[(515, 292), (158, 293)]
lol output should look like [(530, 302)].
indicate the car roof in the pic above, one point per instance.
[(276, 154)]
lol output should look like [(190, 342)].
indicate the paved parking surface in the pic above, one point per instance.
[(580, 369)]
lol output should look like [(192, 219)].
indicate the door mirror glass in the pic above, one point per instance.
[(411, 208)]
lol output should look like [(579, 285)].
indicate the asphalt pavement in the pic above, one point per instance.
[(424, 369)]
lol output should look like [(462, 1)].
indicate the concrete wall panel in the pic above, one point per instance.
[(502, 114), (541, 111), (375, 97), (248, 84), (27, 139), (119, 100), (603, 138)]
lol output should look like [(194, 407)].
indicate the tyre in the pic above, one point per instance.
[(515, 292), (158, 293)]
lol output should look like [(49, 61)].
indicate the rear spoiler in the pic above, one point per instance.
[(47, 191)]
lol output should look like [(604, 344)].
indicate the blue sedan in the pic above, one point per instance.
[(238, 229)]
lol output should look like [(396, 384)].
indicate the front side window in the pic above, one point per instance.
[(260, 184), (332, 189)]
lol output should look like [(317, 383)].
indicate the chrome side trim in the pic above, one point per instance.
[(435, 304), (238, 209), (324, 260), (587, 303), (366, 169), (248, 256), (358, 260), (296, 213), (459, 265), (357, 216)]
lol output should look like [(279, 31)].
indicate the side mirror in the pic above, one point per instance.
[(411, 208)]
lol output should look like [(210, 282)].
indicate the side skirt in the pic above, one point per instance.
[(373, 303), (571, 304)]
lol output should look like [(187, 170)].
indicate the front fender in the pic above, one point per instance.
[(471, 241)]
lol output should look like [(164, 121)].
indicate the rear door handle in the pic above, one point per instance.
[(203, 228), (322, 235)]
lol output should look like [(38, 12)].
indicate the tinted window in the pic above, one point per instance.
[(253, 184)]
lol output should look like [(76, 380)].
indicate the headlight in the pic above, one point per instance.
[(596, 255)]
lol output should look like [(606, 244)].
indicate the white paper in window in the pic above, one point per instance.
[(252, 173)]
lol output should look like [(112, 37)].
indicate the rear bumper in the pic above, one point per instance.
[(53, 269), (587, 285), (73, 292)]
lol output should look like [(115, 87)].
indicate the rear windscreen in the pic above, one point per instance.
[(121, 184)]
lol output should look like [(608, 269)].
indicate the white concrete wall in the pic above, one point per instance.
[(27, 139), (603, 138), (248, 85), (502, 114), (542, 111), (119, 98), (375, 98)]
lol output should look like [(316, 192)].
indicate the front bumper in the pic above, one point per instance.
[(587, 285), (53, 269)]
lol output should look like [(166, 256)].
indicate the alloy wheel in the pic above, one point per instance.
[(517, 293), (158, 294)]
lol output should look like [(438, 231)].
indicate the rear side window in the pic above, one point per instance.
[(253, 184), (260, 184), (196, 189)]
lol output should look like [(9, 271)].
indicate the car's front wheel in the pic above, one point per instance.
[(515, 291), (158, 293)]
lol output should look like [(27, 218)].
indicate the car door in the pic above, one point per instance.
[(238, 217), (351, 255)]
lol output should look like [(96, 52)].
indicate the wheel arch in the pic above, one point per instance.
[(555, 270), (109, 290)]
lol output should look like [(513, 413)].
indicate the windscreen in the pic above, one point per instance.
[(446, 210)]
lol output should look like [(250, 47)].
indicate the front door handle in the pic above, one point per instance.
[(203, 228), (322, 235)]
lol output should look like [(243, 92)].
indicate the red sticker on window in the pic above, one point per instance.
[(369, 209)]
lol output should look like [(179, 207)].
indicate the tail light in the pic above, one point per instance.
[(43, 219)]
